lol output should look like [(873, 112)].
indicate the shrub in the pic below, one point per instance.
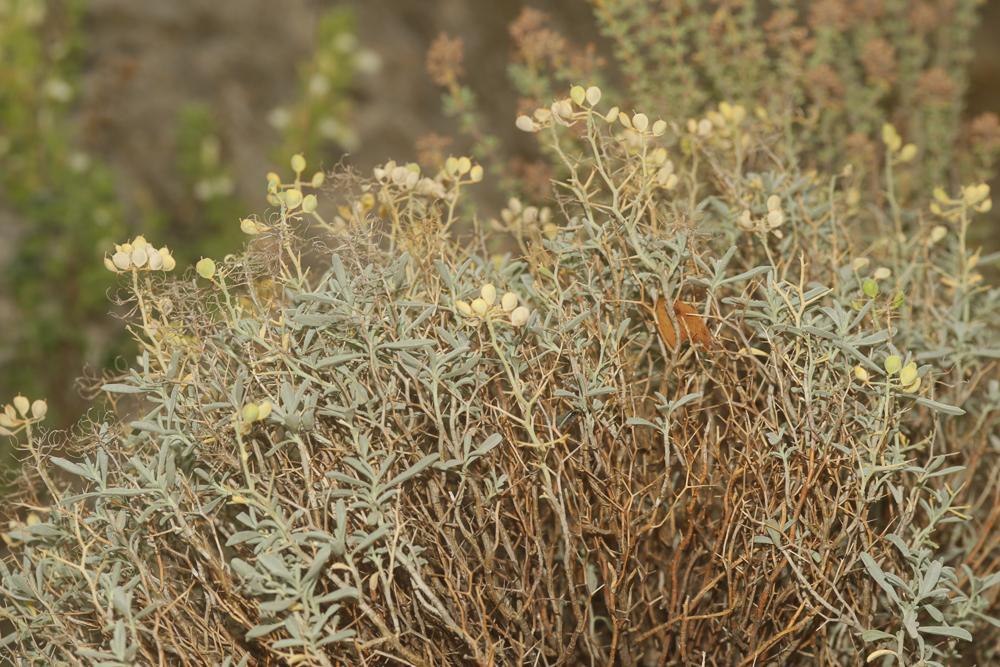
[(712, 415), (733, 401)]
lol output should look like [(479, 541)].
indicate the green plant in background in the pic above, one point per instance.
[(320, 115), (61, 210), (209, 220), (64, 208), (835, 69)]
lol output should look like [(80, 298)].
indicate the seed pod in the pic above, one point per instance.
[(250, 412), (508, 302), (489, 294), (464, 308), (519, 317), (205, 268), (139, 256), (155, 260), (861, 374), (39, 408), (292, 198), (480, 307), (593, 95), (908, 375), (169, 263), (22, 405), (298, 163), (122, 260), (892, 364)]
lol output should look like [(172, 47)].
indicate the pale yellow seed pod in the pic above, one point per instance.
[(659, 127), (169, 263), (39, 408), (773, 203), (476, 173), (612, 115), (892, 364), (22, 404), (861, 373), (205, 268), (109, 265), (519, 317), (860, 263), (309, 203), (525, 124), (891, 138), (508, 302), (249, 226), (263, 410), (578, 95), (298, 163), (317, 180), (480, 307), (745, 221), (292, 198), (489, 294), (912, 387), (122, 260), (464, 308), (139, 256), (882, 273), (640, 122), (464, 165), (593, 95), (250, 412), (908, 152), (938, 233), (155, 260), (908, 375)]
